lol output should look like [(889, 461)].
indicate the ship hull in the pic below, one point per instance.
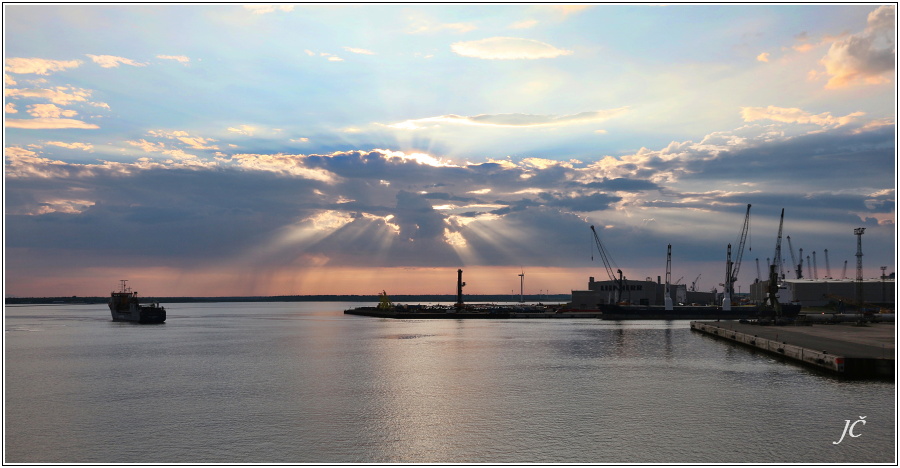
[(140, 314)]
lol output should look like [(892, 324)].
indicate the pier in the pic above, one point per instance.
[(845, 349)]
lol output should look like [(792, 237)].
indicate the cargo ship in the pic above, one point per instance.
[(125, 307)]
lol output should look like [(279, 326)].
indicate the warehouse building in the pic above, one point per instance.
[(820, 292), (645, 292)]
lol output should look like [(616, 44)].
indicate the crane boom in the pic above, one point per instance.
[(736, 268), (608, 264), (797, 267), (815, 267)]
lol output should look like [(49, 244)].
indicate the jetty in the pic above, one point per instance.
[(849, 350)]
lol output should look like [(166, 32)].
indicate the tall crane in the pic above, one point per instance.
[(815, 267), (607, 262), (729, 277), (694, 283), (844, 272), (777, 260), (736, 268), (827, 266), (668, 299), (758, 274), (797, 267)]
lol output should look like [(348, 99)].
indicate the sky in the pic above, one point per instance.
[(231, 150)]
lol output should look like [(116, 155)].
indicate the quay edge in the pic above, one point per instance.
[(849, 359)]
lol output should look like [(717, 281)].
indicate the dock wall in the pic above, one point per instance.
[(847, 366)]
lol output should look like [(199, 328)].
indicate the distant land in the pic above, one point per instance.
[(400, 298)]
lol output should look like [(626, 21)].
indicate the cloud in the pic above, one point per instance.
[(177, 58), (763, 57), (512, 120), (243, 130), (794, 115), (38, 66), (263, 9), (80, 146), (48, 123), (111, 61), (865, 58), (10, 108), (507, 48), (395, 208), (62, 95), (49, 111), (359, 51), (193, 142)]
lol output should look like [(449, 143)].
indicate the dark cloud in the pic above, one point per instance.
[(377, 208), (620, 184)]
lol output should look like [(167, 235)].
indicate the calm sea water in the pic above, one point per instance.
[(303, 383)]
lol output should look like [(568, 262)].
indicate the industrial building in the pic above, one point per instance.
[(820, 292), (645, 292)]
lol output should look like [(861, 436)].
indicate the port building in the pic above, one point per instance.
[(821, 292), (647, 292)]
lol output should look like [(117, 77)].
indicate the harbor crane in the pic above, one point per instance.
[(667, 301), (758, 274), (798, 268), (858, 232), (608, 264), (732, 270), (777, 260), (771, 301), (815, 266), (694, 283)]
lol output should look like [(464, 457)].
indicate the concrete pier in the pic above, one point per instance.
[(845, 349)]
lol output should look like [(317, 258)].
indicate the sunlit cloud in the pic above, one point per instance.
[(48, 123), (194, 142), (507, 48), (512, 120), (10, 108), (38, 66), (763, 57), (865, 58), (794, 115), (79, 146), (356, 50), (283, 163), (49, 111), (61, 95), (177, 58), (111, 61), (243, 130)]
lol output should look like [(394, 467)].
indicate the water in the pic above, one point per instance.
[(303, 383)]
